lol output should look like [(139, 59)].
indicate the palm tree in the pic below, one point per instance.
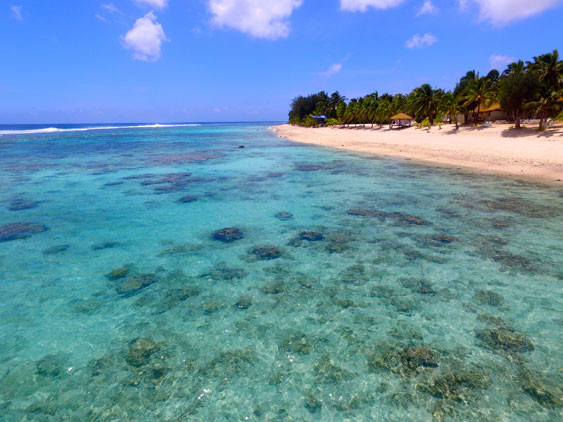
[(448, 105), (479, 91), (549, 69), (548, 104), (425, 102)]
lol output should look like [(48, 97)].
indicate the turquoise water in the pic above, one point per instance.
[(385, 291)]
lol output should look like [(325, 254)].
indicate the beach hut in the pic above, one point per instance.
[(320, 120), (400, 120)]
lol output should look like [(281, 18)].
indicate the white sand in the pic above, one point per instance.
[(497, 149)]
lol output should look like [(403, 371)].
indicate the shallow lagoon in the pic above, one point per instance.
[(384, 291)]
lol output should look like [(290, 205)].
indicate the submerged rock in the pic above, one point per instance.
[(328, 372), (420, 286), (273, 288), (56, 249), (243, 302), (52, 365), (118, 273), (104, 245), (134, 283), (284, 215), (223, 272), (228, 234), (314, 167), (187, 199), (488, 297), (15, 231), (354, 274), (549, 396), (311, 236), (266, 252), (505, 340), (311, 402), (140, 351), (414, 357), (296, 344), (22, 204), (454, 385)]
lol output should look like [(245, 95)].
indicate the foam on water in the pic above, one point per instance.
[(84, 129), (355, 289)]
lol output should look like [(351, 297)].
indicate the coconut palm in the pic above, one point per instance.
[(549, 69), (425, 101), (479, 92)]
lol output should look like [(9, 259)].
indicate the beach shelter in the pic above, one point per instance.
[(401, 120)]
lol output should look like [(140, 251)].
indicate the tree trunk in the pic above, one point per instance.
[(517, 119), (541, 120)]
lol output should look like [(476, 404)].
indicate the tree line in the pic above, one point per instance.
[(532, 88)]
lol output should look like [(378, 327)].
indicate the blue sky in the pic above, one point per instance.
[(241, 60)]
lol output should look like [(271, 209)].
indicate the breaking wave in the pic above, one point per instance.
[(84, 129)]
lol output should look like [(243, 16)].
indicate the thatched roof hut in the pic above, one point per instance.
[(401, 120)]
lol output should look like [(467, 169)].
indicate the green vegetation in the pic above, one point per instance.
[(530, 89)]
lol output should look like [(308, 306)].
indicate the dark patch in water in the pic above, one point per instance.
[(284, 215), (135, 283), (15, 231), (518, 206), (505, 340), (314, 167), (56, 249), (228, 234), (266, 252), (187, 199), (488, 297), (22, 204), (223, 272), (104, 245)]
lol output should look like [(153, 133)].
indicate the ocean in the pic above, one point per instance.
[(215, 272)]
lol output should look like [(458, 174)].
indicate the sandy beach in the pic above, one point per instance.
[(496, 149)]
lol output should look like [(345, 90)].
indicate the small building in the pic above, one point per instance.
[(400, 120), (492, 113), (320, 120)]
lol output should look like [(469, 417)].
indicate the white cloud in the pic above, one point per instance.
[(101, 18), (498, 62), (17, 13), (110, 7), (362, 5), (145, 38), (427, 8), (502, 12), (155, 4), (418, 41), (257, 18), (332, 70)]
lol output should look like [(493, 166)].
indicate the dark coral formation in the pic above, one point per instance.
[(414, 357), (267, 252), (53, 250), (243, 302), (140, 351), (311, 236), (22, 204), (134, 283), (118, 273), (52, 365), (104, 245), (505, 340), (314, 167), (488, 297), (454, 385), (284, 215), (15, 231), (228, 234), (328, 372), (223, 272), (187, 199), (399, 218)]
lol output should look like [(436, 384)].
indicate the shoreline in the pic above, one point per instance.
[(524, 154)]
